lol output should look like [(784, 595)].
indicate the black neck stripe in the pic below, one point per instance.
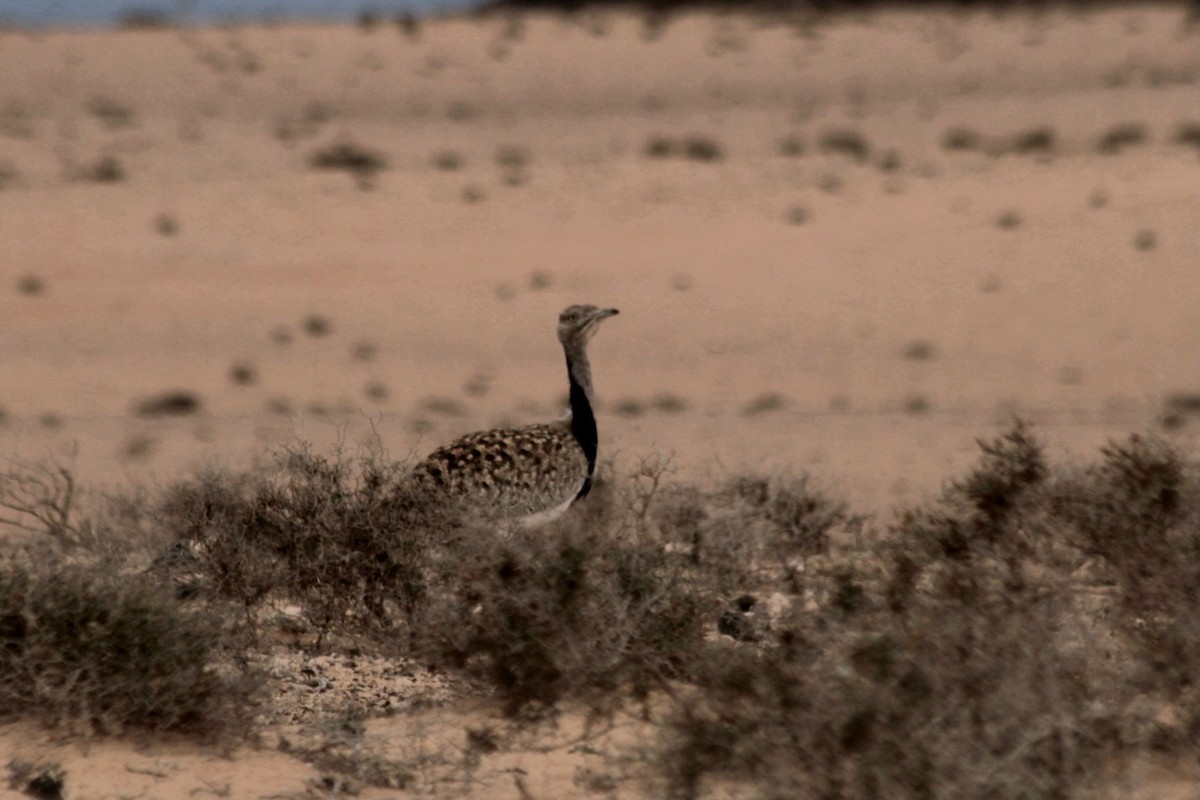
[(583, 428)]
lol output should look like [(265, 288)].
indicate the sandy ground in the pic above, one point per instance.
[(862, 319)]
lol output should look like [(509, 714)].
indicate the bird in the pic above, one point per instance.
[(528, 476)]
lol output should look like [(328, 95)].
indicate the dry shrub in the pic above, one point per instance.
[(960, 655), (1120, 137), (1138, 510), (848, 143), (339, 537), (97, 652), (363, 164), (568, 613)]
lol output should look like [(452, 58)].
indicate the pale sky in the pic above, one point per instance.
[(92, 12)]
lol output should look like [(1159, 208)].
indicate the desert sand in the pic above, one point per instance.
[(832, 281)]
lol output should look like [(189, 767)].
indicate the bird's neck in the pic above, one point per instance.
[(583, 420)]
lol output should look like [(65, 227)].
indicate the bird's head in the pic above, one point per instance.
[(576, 324)]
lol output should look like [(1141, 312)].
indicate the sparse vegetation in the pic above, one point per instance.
[(174, 403), (1008, 220), (961, 140), (890, 161), (166, 225), (1032, 621), (112, 114), (143, 18), (1039, 141), (512, 157), (9, 174), (95, 652), (629, 407), (963, 638), (920, 350), (693, 148), (1145, 240), (848, 143), (31, 285), (916, 405), (243, 373), (660, 147), (1120, 137), (702, 148), (349, 157), (796, 215), (769, 401), (364, 351), (791, 146), (1188, 134), (448, 160), (409, 25), (317, 325), (669, 403), (105, 169)]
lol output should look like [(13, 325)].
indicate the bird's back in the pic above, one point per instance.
[(508, 473)]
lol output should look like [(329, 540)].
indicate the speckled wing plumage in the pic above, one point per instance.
[(510, 472)]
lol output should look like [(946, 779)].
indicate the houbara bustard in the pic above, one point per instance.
[(525, 477)]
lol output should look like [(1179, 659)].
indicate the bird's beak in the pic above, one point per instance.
[(607, 312)]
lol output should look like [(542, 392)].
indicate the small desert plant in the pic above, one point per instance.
[(920, 350), (243, 373), (702, 148), (349, 157), (512, 157), (31, 285), (1008, 220), (173, 403), (890, 161), (848, 143), (166, 225), (629, 407), (106, 169), (669, 403), (1188, 134), (111, 113), (791, 146), (1120, 137), (1035, 141), (763, 403), (16, 120), (1145, 240), (448, 160), (961, 140), (916, 405), (660, 147), (317, 325), (40, 498), (9, 174)]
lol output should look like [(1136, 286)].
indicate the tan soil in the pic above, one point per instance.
[(1066, 312)]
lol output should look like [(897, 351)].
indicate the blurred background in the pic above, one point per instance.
[(844, 241)]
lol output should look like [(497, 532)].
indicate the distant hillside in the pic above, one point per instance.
[(797, 5)]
